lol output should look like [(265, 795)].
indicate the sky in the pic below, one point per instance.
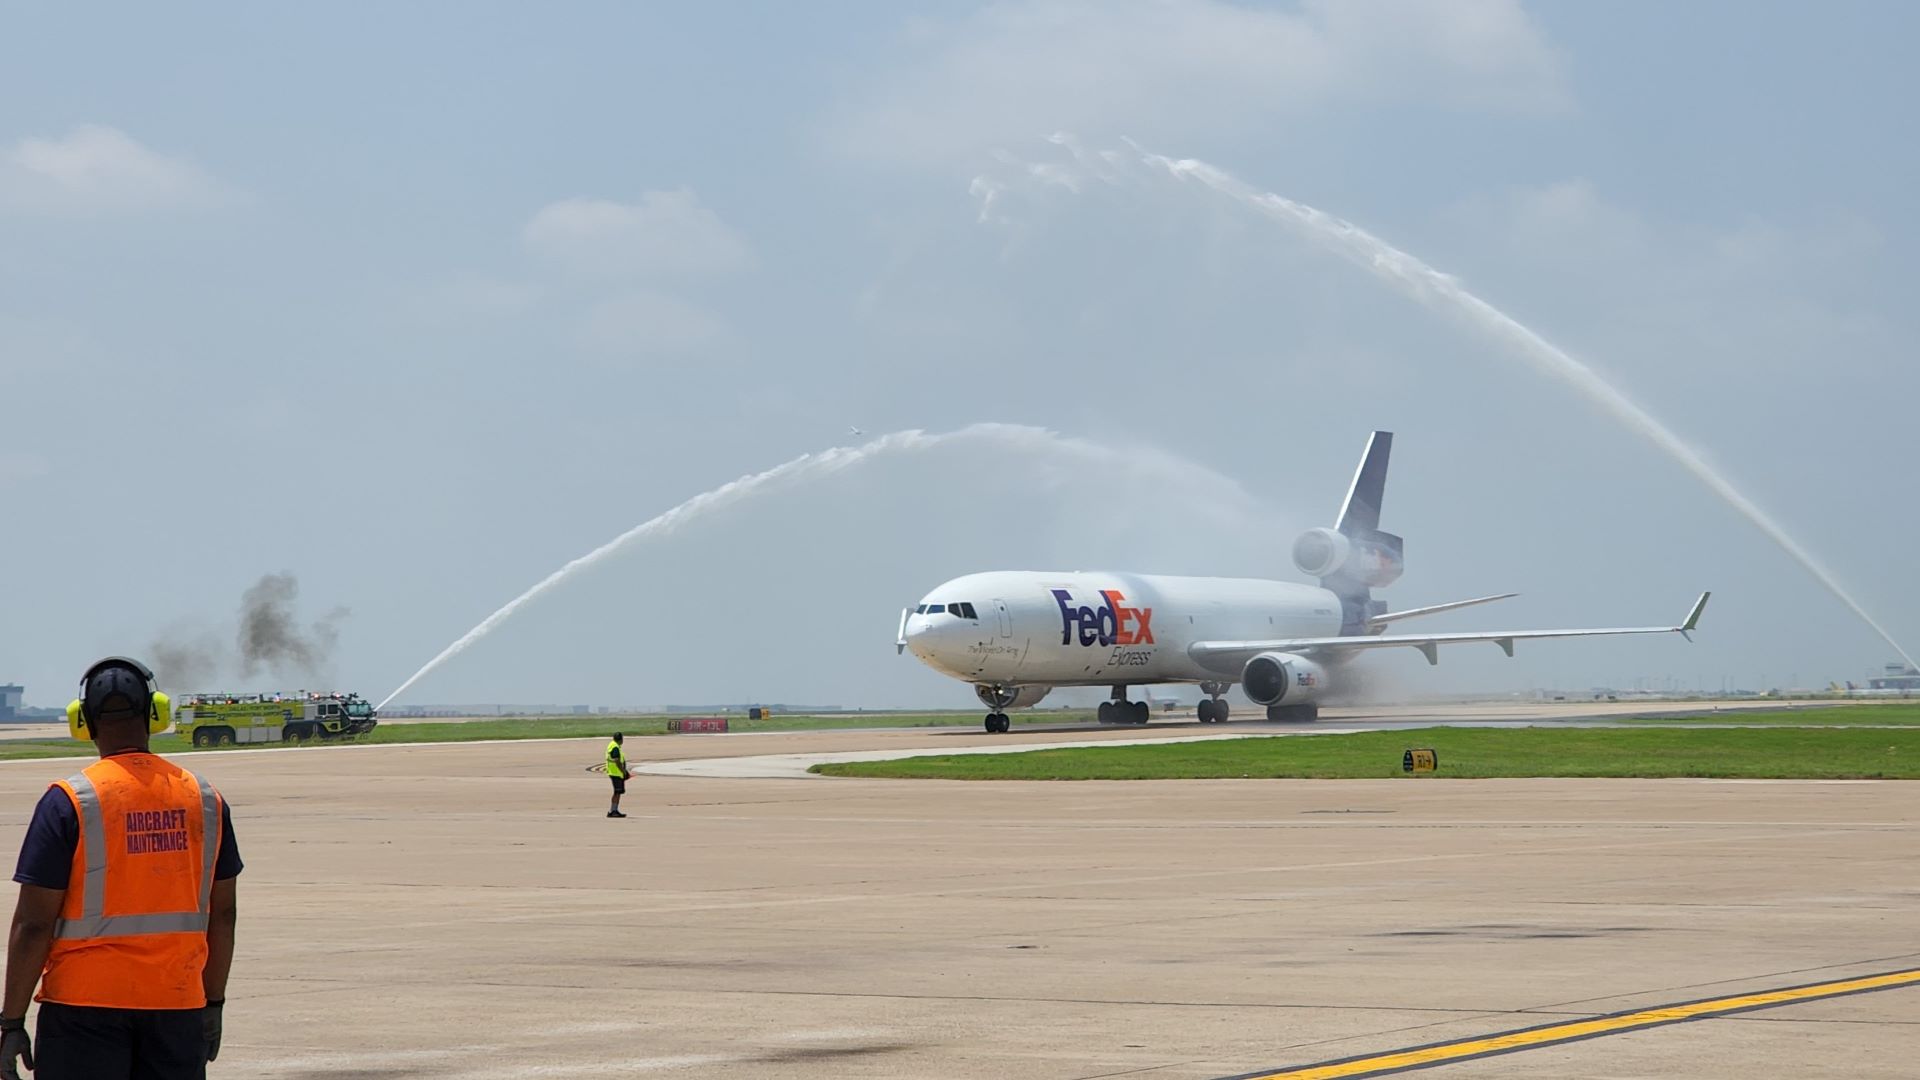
[(416, 304)]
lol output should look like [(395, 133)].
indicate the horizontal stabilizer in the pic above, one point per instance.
[(1386, 617)]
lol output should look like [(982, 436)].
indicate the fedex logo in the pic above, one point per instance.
[(1112, 623)]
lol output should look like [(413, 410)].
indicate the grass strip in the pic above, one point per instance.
[(1787, 753), (556, 727), (1900, 715)]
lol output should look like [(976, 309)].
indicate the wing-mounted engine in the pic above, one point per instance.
[(1000, 698), (1273, 677)]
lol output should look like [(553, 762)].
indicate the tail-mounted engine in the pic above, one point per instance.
[(1273, 677), (1371, 560)]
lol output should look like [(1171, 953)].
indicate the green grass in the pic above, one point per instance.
[(1899, 714), (555, 727), (1463, 752)]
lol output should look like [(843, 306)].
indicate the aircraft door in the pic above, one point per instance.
[(1006, 619)]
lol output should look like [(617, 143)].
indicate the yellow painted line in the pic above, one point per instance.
[(1426, 1057)]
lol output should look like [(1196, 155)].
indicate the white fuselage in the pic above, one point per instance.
[(1085, 628)]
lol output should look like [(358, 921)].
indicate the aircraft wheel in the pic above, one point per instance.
[(993, 723), (1139, 712), (1105, 712), (1206, 710)]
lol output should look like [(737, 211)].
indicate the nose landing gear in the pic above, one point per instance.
[(999, 699)]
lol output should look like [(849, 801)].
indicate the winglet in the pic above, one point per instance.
[(1693, 617)]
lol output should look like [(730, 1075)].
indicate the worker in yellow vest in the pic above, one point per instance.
[(617, 770), (126, 913)]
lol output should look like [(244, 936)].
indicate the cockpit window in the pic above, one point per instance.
[(959, 611)]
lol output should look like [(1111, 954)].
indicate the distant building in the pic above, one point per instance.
[(1896, 677), (10, 695)]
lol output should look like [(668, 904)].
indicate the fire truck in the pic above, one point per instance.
[(226, 719)]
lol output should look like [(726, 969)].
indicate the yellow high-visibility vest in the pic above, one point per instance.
[(616, 761)]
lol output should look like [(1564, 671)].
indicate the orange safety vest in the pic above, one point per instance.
[(132, 932)]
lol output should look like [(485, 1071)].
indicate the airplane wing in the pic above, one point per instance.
[(1232, 655)]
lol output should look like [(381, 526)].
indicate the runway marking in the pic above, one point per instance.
[(1566, 1031)]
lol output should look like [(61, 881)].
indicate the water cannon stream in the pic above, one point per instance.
[(1038, 442), (1441, 291)]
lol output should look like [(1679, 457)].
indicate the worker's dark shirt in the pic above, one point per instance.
[(46, 855)]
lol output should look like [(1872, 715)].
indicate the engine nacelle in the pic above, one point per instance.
[(1273, 677), (1373, 560), (1010, 697)]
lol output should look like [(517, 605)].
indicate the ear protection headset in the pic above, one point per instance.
[(159, 708)]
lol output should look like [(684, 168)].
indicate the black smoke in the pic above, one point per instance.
[(183, 658), (270, 636)]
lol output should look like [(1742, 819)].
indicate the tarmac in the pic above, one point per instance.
[(466, 911)]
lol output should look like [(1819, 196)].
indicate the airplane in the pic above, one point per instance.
[(855, 432), (1017, 635)]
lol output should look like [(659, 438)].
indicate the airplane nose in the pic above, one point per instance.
[(924, 635)]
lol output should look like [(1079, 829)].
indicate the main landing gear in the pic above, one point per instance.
[(1214, 709), (1122, 711), (998, 724)]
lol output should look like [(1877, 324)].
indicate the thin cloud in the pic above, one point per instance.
[(1174, 67), (665, 235), (1753, 293), (649, 324), (18, 468), (475, 299), (95, 169)]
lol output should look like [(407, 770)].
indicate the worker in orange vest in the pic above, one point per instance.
[(126, 913)]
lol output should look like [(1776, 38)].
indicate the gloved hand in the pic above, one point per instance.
[(209, 1027), (16, 1049)]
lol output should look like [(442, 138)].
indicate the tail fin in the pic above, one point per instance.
[(1360, 514), (1375, 558)]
